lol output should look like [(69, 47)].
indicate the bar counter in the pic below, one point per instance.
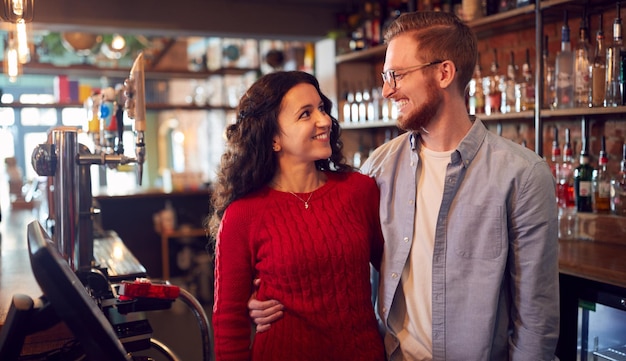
[(600, 254), (601, 261)]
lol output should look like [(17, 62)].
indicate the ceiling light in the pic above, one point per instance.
[(12, 66), (118, 43), (16, 10), (22, 42)]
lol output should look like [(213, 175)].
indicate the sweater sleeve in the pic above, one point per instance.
[(233, 283), (376, 241)]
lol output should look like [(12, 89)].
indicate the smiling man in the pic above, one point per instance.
[(470, 267)]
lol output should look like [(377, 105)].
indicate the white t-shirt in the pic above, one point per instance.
[(416, 336)]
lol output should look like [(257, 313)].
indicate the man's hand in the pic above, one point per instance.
[(264, 313)]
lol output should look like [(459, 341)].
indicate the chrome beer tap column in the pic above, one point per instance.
[(67, 164), (134, 91)]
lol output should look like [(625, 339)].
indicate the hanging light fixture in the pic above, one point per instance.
[(115, 48), (12, 65), (23, 50), (16, 10)]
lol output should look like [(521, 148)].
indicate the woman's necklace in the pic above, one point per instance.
[(306, 203)]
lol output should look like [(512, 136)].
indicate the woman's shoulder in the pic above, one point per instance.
[(250, 201), (353, 180)]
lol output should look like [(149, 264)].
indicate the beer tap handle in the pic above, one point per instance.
[(119, 117), (136, 107)]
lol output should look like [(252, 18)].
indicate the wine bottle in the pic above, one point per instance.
[(583, 175)]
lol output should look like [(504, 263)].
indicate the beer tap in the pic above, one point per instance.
[(134, 91), (67, 164)]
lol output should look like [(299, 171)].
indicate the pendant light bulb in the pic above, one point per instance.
[(18, 8), (22, 42), (118, 43), (12, 66)]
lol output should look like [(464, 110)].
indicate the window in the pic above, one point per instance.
[(7, 117), (36, 116)]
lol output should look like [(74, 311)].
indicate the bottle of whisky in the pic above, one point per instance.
[(564, 84), (618, 188), (549, 77), (511, 81), (495, 87), (527, 87), (583, 175), (582, 88), (613, 95), (476, 101), (598, 70), (601, 182)]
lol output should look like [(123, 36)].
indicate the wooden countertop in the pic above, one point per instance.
[(593, 260)]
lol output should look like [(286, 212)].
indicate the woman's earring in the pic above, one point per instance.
[(276, 148)]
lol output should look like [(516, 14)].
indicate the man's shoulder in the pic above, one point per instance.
[(386, 152)]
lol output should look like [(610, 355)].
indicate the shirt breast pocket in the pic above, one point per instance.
[(477, 232)]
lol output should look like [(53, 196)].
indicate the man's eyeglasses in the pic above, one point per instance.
[(391, 78)]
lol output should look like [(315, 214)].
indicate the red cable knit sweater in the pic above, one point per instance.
[(315, 261)]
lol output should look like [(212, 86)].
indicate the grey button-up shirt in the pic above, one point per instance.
[(495, 263)]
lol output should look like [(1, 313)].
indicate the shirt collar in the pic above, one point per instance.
[(467, 149)]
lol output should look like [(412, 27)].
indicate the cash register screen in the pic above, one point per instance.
[(70, 299)]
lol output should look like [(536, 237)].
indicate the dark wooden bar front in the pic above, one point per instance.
[(590, 267)]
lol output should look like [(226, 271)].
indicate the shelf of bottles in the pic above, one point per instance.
[(509, 94)]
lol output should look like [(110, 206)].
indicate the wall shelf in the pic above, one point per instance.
[(149, 106), (368, 125), (91, 71)]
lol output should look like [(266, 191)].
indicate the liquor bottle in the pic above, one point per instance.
[(472, 9), (344, 105), (355, 115), (511, 81), (613, 95), (601, 182), (549, 77), (476, 96), (494, 87), (491, 7), (566, 200), (583, 175), (555, 161), (373, 112), (565, 176), (582, 88), (598, 70), (365, 104), (564, 84), (618, 188), (347, 106), (527, 87)]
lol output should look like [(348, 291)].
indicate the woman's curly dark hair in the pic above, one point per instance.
[(249, 162)]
